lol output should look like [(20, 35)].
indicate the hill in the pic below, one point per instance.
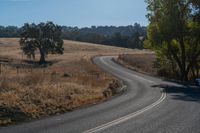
[(69, 81)]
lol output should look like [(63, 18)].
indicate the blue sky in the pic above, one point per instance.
[(81, 13)]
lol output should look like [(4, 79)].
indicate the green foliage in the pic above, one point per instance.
[(174, 33), (45, 37)]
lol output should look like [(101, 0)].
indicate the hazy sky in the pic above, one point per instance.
[(79, 13)]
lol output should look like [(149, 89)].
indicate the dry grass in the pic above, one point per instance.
[(140, 62), (27, 91)]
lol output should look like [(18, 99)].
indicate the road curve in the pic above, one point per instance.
[(143, 108)]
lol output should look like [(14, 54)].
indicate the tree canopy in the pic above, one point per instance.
[(45, 37), (174, 32)]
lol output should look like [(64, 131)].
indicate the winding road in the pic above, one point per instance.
[(149, 105)]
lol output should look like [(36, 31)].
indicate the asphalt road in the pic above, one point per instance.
[(149, 105)]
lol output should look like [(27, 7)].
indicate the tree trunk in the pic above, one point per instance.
[(42, 57), (197, 71), (183, 61), (184, 75), (182, 69)]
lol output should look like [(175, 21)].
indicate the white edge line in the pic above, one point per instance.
[(130, 116), (127, 117)]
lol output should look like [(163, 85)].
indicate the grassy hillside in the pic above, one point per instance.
[(71, 80)]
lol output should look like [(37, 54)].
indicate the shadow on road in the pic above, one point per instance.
[(182, 92)]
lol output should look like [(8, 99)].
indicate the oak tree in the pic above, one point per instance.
[(44, 37)]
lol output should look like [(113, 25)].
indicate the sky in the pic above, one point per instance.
[(81, 13)]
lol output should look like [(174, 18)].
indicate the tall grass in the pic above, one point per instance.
[(38, 93), (139, 62)]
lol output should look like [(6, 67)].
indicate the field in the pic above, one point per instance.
[(71, 80)]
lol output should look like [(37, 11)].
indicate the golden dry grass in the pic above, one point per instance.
[(28, 92), (143, 62)]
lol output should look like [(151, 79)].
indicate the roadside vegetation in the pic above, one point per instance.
[(143, 63), (147, 64), (28, 93)]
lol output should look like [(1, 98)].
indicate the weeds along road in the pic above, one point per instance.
[(149, 105)]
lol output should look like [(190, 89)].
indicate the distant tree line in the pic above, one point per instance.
[(9, 31), (123, 36)]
